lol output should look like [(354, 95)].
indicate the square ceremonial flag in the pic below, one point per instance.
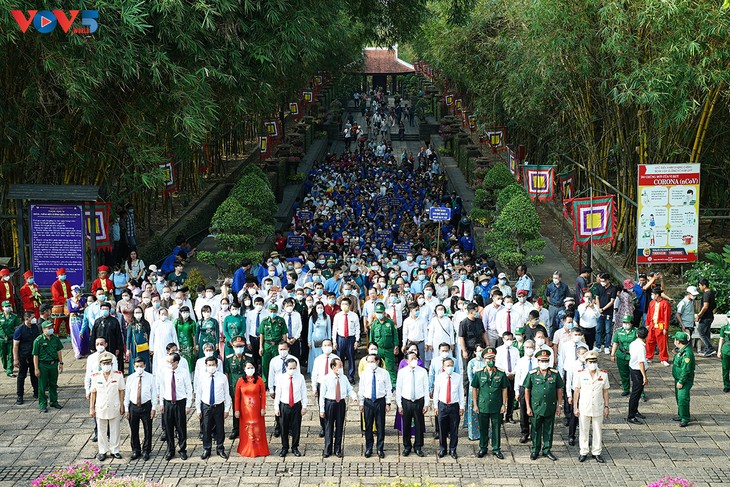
[(458, 103), (264, 146), (272, 128), (318, 80), (449, 100), (308, 97), (472, 122), (294, 110), (594, 219), (497, 138), (567, 184), (539, 182), (99, 222)]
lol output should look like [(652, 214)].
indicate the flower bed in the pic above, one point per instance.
[(88, 474)]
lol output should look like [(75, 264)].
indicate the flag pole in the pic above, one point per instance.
[(590, 253)]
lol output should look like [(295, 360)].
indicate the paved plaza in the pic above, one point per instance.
[(32, 443)]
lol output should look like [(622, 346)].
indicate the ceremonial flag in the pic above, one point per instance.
[(594, 219), (472, 121), (449, 100), (513, 164), (308, 97), (567, 184), (318, 80), (459, 104), (264, 146), (539, 182), (497, 138), (272, 128), (294, 110), (100, 224), (168, 173)]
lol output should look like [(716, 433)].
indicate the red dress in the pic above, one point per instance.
[(249, 400)]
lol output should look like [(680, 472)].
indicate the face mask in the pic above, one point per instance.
[(503, 281), (421, 301), (235, 311), (211, 369), (449, 370), (62, 277), (146, 300), (106, 368), (409, 258), (407, 289), (439, 313), (238, 350), (156, 304), (326, 349), (592, 366), (31, 280), (508, 343), (6, 278), (462, 277), (100, 348), (101, 298), (105, 313), (508, 306), (529, 352), (522, 300), (8, 309), (421, 277), (374, 351), (331, 302), (519, 338), (273, 314), (289, 309), (275, 261), (372, 365), (440, 281), (250, 372), (556, 281), (126, 297), (376, 267), (185, 315), (443, 355), (627, 326), (490, 363), (498, 302), (380, 316), (539, 342), (413, 364), (416, 314), (283, 353), (428, 293), (165, 295), (206, 315), (272, 273), (160, 278), (544, 365), (318, 292), (163, 317), (208, 354), (577, 338), (347, 292), (139, 370), (570, 325), (394, 299)]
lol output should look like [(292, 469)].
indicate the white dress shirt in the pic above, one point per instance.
[(183, 385), (149, 389), (637, 354), (92, 367), (251, 321), (500, 321), (394, 311), (567, 354), (522, 310), (524, 366), (414, 330), (108, 403), (501, 361), (440, 387), (321, 369), (588, 316), (404, 385), (152, 314), (466, 288), (213, 302), (277, 365), (296, 324), (282, 390), (329, 389), (572, 371), (353, 325), (440, 330), (383, 386), (161, 334), (200, 368), (221, 392)]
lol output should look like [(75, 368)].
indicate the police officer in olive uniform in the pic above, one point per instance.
[(543, 387), (384, 333), (489, 400), (234, 367), (620, 352), (9, 321), (48, 361), (683, 371), (272, 330)]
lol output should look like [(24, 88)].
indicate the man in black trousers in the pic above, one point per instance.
[(335, 388), (213, 403), (290, 404), (176, 398), (448, 405), (374, 395), (637, 364), (139, 403), (411, 391)]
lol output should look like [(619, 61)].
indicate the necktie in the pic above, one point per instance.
[(462, 289), (373, 393), (290, 332), (509, 362), (529, 366), (283, 366), (509, 321), (139, 391), (347, 327), (394, 318), (413, 386), (291, 391), (173, 388), (326, 368), (576, 353), (448, 389), (258, 322), (211, 399), (338, 394)]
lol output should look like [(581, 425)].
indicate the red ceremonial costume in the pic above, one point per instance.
[(103, 282), (7, 293), (30, 296), (60, 292), (657, 322), (248, 402)]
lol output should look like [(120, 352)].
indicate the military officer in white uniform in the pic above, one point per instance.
[(590, 402)]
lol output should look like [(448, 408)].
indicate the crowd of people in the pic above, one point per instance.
[(443, 332)]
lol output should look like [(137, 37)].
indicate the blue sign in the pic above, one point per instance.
[(57, 240), (382, 201), (402, 249), (383, 233), (295, 241), (395, 202), (439, 213), (304, 215)]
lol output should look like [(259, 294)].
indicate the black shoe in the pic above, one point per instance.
[(406, 452), (101, 457), (368, 453), (550, 456), (283, 452), (420, 453), (205, 455), (683, 424), (633, 421), (625, 394), (533, 456), (571, 441), (481, 453), (325, 455), (582, 458), (44, 410), (146, 456), (499, 455), (381, 454), (222, 454), (183, 455), (296, 452), (726, 389), (523, 439), (435, 435), (599, 459), (135, 455), (19, 401), (277, 433), (454, 455), (118, 456), (566, 422), (643, 398), (233, 436), (442, 453), (321, 433), (169, 456), (94, 438), (339, 454), (57, 406), (163, 438), (640, 416)]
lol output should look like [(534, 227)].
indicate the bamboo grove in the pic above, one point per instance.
[(606, 84), (162, 77)]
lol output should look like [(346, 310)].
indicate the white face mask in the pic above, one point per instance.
[(289, 309), (100, 348), (139, 370), (126, 297), (627, 326), (250, 372), (556, 281), (443, 355), (529, 352), (106, 368), (544, 365), (327, 349), (206, 315), (508, 343), (290, 372), (138, 316), (372, 365), (208, 354), (283, 353), (373, 352), (211, 369), (577, 338), (185, 315), (449, 369), (421, 301), (519, 338), (508, 306), (165, 295), (413, 364), (146, 300), (539, 342), (592, 366)]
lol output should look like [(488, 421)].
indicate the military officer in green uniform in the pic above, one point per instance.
[(234, 367), (543, 387), (272, 330), (48, 362), (328, 272), (519, 343), (9, 321), (683, 371), (620, 351), (723, 352), (384, 333), (489, 400)]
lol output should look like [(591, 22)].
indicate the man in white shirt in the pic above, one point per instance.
[(163, 333), (591, 406), (637, 364), (213, 403), (567, 351), (199, 371), (254, 318), (589, 311), (152, 312), (394, 309), (294, 326), (465, 285), (374, 395), (411, 390), (140, 403), (92, 367), (277, 367), (541, 343), (335, 388), (290, 404), (572, 371), (448, 405), (506, 319), (489, 317), (506, 361), (368, 308), (176, 398), (106, 404), (320, 370), (346, 335), (524, 366), (440, 330), (414, 330), (522, 308), (437, 365)]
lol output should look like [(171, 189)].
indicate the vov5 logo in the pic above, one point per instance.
[(45, 21)]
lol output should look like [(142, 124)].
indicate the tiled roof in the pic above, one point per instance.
[(384, 61)]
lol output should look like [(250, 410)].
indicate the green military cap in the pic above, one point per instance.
[(330, 259), (273, 306), (6, 303), (520, 331), (47, 324), (379, 307), (105, 357), (591, 355), (237, 341), (681, 336), (543, 353), (489, 351), (627, 319)]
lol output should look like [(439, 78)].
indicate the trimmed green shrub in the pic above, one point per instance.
[(254, 193), (516, 232), (498, 178), (507, 193), (481, 199), (481, 216)]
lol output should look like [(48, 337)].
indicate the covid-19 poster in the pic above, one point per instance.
[(668, 224)]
